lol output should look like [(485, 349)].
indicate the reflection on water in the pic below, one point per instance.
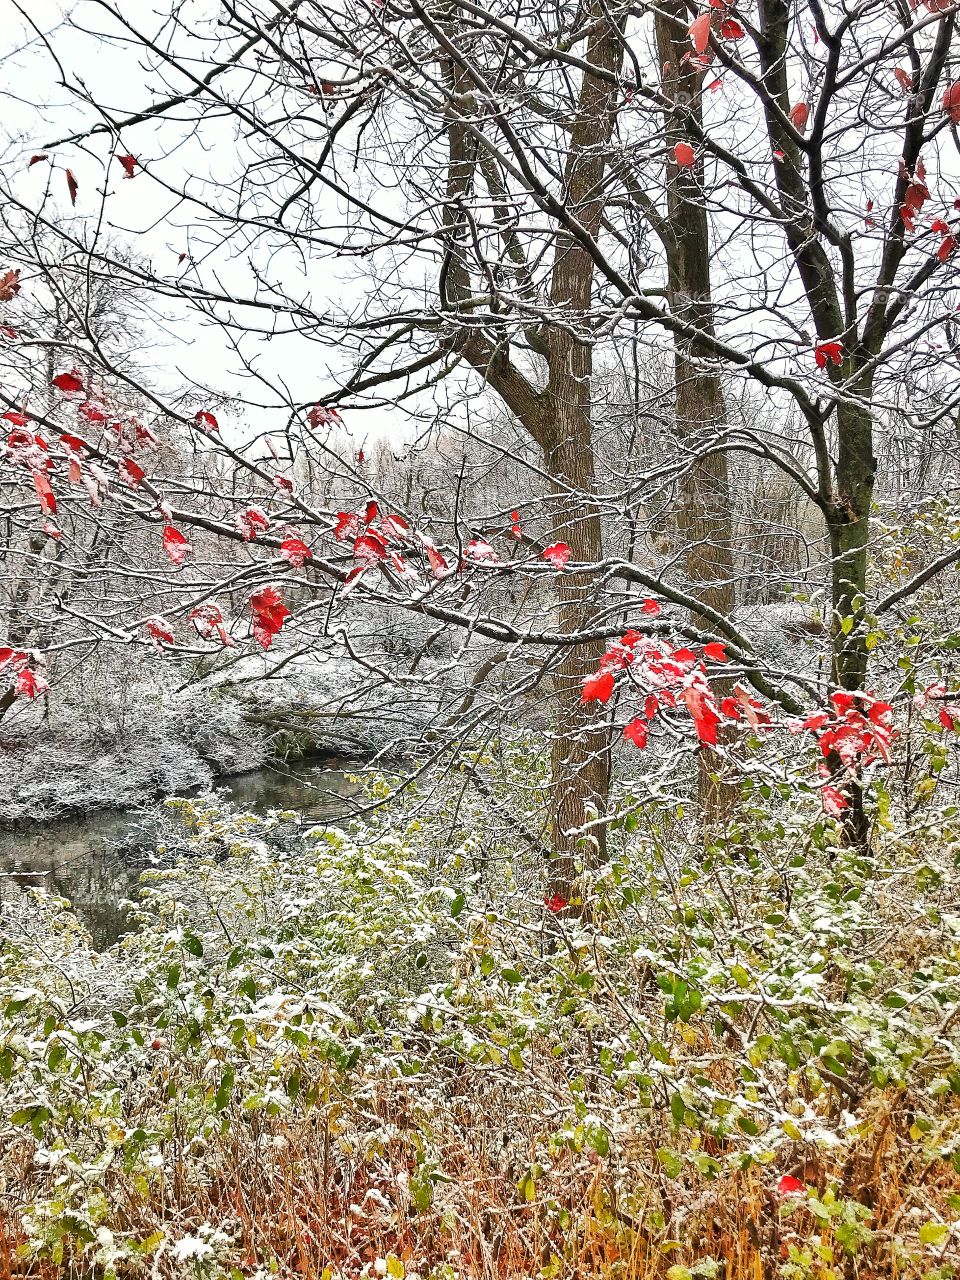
[(96, 860)]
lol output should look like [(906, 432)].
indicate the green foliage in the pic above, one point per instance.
[(707, 1019)]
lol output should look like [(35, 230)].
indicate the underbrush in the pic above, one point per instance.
[(333, 1053)]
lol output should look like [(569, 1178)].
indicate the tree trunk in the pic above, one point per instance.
[(704, 509), (849, 530)]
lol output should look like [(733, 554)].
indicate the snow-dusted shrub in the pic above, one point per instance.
[(360, 1049)]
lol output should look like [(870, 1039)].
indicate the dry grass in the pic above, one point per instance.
[(295, 1196)]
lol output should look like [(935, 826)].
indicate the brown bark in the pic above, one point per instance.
[(704, 508), (559, 420)]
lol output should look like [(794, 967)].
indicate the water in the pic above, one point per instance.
[(96, 860)]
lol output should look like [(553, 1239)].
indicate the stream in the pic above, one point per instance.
[(95, 859)]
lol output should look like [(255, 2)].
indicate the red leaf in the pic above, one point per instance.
[(321, 416), (557, 555), (48, 502), (597, 688), (36, 159), (790, 1186), (371, 512), (479, 550), (715, 651), (295, 551), (16, 417), (799, 115), (394, 527), (7, 332), (175, 545), (951, 102), (946, 719), (204, 418), (555, 902), (208, 621), (159, 629), (947, 246), (828, 351), (904, 79), (703, 712), (131, 473), (129, 165), (684, 155), (269, 614), (72, 186), (651, 705), (636, 732), (91, 411), (834, 801), (347, 526), (73, 442), (29, 684), (9, 285), (650, 608), (700, 32), (69, 382), (730, 29), (369, 547), (283, 483), (252, 521), (437, 563)]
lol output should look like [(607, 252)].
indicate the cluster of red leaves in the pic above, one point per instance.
[(671, 677), (915, 196), (857, 731), (378, 540)]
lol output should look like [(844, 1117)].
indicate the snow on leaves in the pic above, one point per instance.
[(208, 621), (557, 555), (175, 545), (252, 521), (206, 421), (158, 630), (295, 552), (27, 681)]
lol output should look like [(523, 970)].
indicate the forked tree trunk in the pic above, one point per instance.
[(559, 419)]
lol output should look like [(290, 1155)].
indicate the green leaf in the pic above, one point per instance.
[(457, 905), (222, 1096), (192, 944), (934, 1232), (672, 1164), (678, 1109)]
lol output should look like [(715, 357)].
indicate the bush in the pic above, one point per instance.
[(338, 1052)]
